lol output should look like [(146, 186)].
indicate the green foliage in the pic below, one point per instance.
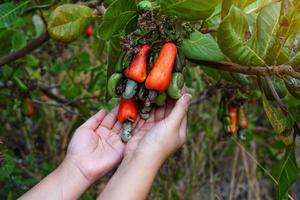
[(66, 84), (189, 9), (231, 38), (8, 167), (9, 13), (116, 17), (201, 47), (68, 22), (18, 40), (286, 172), (278, 121)]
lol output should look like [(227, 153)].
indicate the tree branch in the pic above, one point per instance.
[(23, 52), (248, 70), (36, 42)]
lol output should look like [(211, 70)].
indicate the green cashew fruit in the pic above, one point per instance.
[(113, 83), (130, 89), (144, 6), (161, 99), (177, 82), (278, 85), (293, 86)]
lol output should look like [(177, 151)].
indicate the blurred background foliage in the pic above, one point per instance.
[(49, 92)]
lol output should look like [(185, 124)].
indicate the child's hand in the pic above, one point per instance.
[(163, 133), (96, 147), (152, 142)]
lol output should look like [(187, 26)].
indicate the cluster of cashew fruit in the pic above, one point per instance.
[(233, 118), (145, 81)]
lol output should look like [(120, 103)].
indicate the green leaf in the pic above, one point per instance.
[(116, 17), (278, 121), (267, 25), (290, 26), (232, 41), (32, 61), (131, 25), (5, 41), (295, 111), (189, 9), (8, 167), (70, 91), (201, 47), (295, 60), (226, 5), (20, 83), (9, 13), (286, 172), (58, 67), (7, 72), (67, 22), (39, 25), (213, 73), (18, 40), (97, 82)]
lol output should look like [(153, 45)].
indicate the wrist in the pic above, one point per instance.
[(71, 179), (151, 159)]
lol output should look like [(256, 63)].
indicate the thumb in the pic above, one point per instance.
[(179, 111)]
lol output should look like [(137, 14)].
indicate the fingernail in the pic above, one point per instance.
[(187, 98)]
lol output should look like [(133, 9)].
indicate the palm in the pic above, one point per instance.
[(153, 124), (97, 148)]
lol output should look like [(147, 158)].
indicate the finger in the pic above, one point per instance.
[(179, 111), (160, 113), (117, 127), (94, 121), (169, 108), (140, 123), (182, 129), (111, 118)]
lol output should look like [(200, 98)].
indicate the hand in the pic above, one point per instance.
[(152, 142), (163, 133), (96, 146)]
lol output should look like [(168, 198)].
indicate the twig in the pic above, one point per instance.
[(64, 107), (275, 95), (208, 30), (250, 70), (37, 42)]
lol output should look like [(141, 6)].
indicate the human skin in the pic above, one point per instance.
[(94, 150), (153, 141)]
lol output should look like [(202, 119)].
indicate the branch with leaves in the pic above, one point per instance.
[(280, 70), (34, 44), (37, 42)]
